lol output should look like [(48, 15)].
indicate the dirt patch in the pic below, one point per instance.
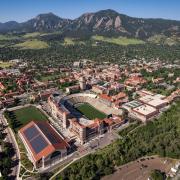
[(140, 169)]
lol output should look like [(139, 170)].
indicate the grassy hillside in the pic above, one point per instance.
[(68, 41), (32, 35), (8, 37), (162, 39), (32, 44), (72, 41), (5, 64), (120, 40)]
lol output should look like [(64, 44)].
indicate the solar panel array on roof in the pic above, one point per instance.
[(38, 144), (36, 140), (48, 134), (31, 132), (133, 104)]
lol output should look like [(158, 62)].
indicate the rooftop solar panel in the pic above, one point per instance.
[(31, 132), (51, 138), (38, 144), (48, 134)]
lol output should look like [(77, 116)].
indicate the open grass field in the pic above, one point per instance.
[(50, 77), (71, 41), (32, 35), (162, 39), (5, 64), (25, 115), (119, 41), (8, 37), (32, 44), (90, 112), (68, 41)]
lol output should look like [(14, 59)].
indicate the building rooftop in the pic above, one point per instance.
[(145, 109), (85, 122), (133, 104), (155, 100), (105, 96), (42, 139)]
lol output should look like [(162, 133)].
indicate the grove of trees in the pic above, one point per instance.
[(59, 54), (6, 154)]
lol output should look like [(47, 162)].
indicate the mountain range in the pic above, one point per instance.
[(105, 22)]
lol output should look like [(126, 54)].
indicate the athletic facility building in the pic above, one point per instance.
[(43, 143), (147, 106), (84, 115), (138, 110)]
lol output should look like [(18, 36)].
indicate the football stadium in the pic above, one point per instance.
[(85, 102), (83, 115)]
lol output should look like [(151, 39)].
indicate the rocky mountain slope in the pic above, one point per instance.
[(105, 22)]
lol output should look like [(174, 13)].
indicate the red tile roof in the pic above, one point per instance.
[(51, 147), (105, 96)]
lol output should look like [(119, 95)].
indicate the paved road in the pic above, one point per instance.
[(74, 160), (11, 138), (84, 150)]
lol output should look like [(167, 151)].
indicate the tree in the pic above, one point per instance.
[(158, 175)]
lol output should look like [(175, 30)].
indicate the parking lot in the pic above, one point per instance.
[(140, 169)]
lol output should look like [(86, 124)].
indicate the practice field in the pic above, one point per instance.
[(25, 115), (90, 112)]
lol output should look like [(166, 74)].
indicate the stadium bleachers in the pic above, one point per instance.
[(72, 100)]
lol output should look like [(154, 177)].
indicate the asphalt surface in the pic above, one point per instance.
[(140, 170)]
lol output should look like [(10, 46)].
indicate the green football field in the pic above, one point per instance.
[(25, 115), (90, 112)]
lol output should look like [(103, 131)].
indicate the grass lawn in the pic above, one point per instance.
[(25, 115), (50, 77), (72, 41), (5, 64), (69, 41), (8, 37), (32, 44), (119, 41), (162, 39), (32, 35), (90, 112)]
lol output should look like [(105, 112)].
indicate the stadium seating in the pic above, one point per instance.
[(73, 100)]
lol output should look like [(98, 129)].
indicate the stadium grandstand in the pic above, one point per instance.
[(83, 115), (91, 99)]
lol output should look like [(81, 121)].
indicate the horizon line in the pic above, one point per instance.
[(87, 13)]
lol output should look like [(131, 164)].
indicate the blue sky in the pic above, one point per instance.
[(22, 10)]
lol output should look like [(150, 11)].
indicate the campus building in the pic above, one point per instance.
[(59, 112), (138, 110), (144, 112), (43, 143), (157, 101)]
